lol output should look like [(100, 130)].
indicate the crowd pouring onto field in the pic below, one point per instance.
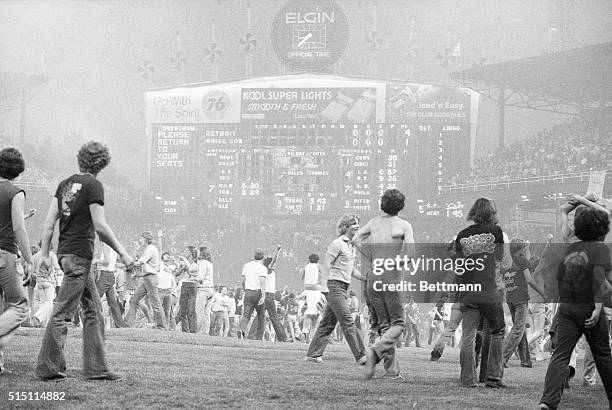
[(87, 277)]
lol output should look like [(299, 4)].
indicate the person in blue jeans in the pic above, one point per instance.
[(583, 290), (481, 244), (188, 272), (338, 269), (79, 206), (13, 237), (388, 237), (517, 279)]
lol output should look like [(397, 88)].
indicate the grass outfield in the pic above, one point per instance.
[(170, 370)]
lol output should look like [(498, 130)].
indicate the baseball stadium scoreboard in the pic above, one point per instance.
[(304, 144)]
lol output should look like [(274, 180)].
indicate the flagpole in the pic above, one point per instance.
[(248, 69), (215, 73), (374, 40), (178, 63)]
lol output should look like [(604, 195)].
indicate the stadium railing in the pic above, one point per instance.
[(516, 183)]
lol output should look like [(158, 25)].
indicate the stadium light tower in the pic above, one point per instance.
[(16, 90)]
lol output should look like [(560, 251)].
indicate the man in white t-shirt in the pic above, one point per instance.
[(106, 281), (270, 302), (166, 285), (205, 290), (314, 306), (219, 308), (254, 285), (310, 273), (150, 262)]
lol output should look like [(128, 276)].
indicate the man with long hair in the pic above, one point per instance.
[(481, 244), (79, 207), (13, 237)]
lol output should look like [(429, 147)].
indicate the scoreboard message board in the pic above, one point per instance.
[(303, 145)]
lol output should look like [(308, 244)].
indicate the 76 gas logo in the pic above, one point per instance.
[(215, 104)]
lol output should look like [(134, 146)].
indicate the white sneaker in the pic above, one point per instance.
[(314, 359)]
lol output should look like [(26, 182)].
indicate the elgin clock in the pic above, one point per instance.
[(310, 34)]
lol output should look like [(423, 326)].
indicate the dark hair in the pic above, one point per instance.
[(11, 163), (592, 225), (267, 261), (93, 157), (392, 202), (205, 253), (483, 212), (314, 258), (193, 251), (223, 286), (259, 255), (239, 292), (516, 244), (148, 236)]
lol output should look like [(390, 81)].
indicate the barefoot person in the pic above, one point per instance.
[(338, 268), (79, 206), (13, 237), (389, 236)]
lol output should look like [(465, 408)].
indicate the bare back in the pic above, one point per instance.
[(389, 229)]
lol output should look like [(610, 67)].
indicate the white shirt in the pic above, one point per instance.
[(447, 310), (206, 274), (150, 260), (252, 271), (110, 259), (313, 297), (271, 282), (311, 274), (165, 280), (232, 307)]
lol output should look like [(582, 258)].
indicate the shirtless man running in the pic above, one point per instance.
[(388, 236)]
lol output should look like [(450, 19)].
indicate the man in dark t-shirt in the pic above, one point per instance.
[(79, 207), (583, 290), (13, 237), (480, 246), (516, 280)]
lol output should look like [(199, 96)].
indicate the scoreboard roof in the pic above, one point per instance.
[(15, 86), (564, 82), (296, 79)]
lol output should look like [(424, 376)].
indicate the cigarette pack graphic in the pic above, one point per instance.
[(405, 95), (336, 110), (363, 108)]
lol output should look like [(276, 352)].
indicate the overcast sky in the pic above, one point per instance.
[(91, 49)]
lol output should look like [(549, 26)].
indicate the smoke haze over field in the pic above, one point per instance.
[(91, 50)]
